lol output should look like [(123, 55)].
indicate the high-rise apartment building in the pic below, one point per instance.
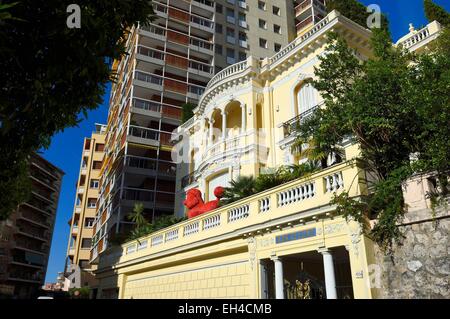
[(170, 62), (308, 13), (25, 237), (83, 218)]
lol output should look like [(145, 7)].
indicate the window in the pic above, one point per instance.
[(277, 47), (276, 28), (306, 98), (230, 36), (86, 243), (219, 49), (97, 165), (276, 11), (94, 183), (230, 16), (99, 147), (262, 5), (262, 24), (219, 8), (84, 163), (92, 203), (84, 264), (242, 56), (263, 43), (230, 56), (89, 222), (219, 28), (242, 20)]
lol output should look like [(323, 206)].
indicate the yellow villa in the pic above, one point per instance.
[(286, 242)]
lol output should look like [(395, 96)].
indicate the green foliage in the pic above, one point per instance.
[(15, 182), (242, 187), (395, 110), (435, 12), (187, 112), (145, 228), (355, 11), (245, 186), (53, 75)]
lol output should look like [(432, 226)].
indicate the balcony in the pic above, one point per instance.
[(150, 55), (204, 4), (149, 164), (203, 24), (154, 32), (201, 46), (203, 69), (156, 109), (289, 203), (195, 92), (290, 126), (143, 135), (148, 197), (148, 80)]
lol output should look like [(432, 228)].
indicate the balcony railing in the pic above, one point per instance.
[(151, 164), (290, 201), (149, 78), (291, 126)]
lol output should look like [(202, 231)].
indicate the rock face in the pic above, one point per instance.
[(420, 266)]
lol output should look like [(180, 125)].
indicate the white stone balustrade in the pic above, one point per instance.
[(291, 198), (334, 182), (192, 228), (296, 194), (157, 240), (238, 213), (211, 222), (264, 205), (171, 235)]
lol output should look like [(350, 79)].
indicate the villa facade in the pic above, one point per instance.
[(285, 242)]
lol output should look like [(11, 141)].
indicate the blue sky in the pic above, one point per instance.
[(65, 149)]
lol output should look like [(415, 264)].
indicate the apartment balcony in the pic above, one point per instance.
[(310, 21), (299, 201), (148, 166), (201, 69), (305, 5), (160, 10), (243, 24), (148, 198), (195, 92), (150, 55), (27, 214), (231, 19), (143, 135), (243, 43), (206, 5), (201, 46), (242, 4), (231, 39), (202, 24), (148, 80), (154, 32), (26, 277), (156, 109)]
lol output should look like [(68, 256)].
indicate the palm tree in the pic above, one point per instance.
[(137, 216), (316, 153), (242, 187)]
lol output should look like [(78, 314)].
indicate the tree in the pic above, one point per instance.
[(239, 188), (395, 110), (355, 11), (51, 74), (435, 12), (187, 112)]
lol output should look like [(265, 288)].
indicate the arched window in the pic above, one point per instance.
[(306, 98)]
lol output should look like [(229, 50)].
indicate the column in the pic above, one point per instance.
[(211, 130), (279, 278), (328, 267), (224, 125), (243, 119), (263, 280)]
